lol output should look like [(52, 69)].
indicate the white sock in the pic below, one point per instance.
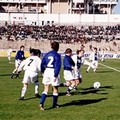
[(24, 89), (88, 68), (36, 88)]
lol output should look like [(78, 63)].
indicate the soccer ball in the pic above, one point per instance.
[(96, 85)]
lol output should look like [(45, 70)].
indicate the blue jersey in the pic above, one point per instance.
[(51, 60), (68, 63), (20, 55)]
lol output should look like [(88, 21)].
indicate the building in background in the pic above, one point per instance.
[(58, 6)]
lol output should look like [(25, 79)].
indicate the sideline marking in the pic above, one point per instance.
[(109, 67)]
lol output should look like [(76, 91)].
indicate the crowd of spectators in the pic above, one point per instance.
[(62, 34)]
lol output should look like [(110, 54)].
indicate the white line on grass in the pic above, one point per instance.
[(109, 67)]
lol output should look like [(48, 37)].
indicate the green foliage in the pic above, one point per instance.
[(87, 104)]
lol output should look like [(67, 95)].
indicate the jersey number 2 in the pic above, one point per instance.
[(50, 61)]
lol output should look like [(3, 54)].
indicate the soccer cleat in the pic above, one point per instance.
[(86, 71), (55, 106), (17, 75), (21, 98), (41, 107), (68, 94), (37, 95), (12, 75), (75, 89)]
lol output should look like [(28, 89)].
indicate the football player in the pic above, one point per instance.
[(18, 59), (50, 67), (31, 66), (94, 60), (9, 52), (78, 60), (69, 66)]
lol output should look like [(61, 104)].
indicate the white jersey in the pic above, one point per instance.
[(78, 61), (31, 64), (93, 56), (9, 51)]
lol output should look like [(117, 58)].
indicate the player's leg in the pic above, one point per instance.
[(55, 97), (16, 68), (37, 89), (88, 69), (26, 81), (34, 79), (77, 82), (70, 88), (9, 58), (43, 96), (68, 76), (78, 79), (24, 89), (96, 66)]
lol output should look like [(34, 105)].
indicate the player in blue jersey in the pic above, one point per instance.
[(50, 67), (69, 66), (18, 59)]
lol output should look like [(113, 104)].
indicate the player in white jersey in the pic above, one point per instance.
[(78, 60), (31, 66), (102, 54), (94, 60), (9, 52)]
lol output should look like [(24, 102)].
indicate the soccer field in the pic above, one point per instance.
[(87, 104)]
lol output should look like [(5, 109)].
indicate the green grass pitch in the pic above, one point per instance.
[(87, 104)]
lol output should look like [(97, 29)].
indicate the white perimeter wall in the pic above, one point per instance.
[(42, 19)]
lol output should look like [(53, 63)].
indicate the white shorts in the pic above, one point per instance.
[(17, 63), (30, 76), (68, 75), (48, 77), (76, 74)]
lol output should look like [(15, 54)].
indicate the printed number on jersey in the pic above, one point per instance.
[(31, 60), (50, 63)]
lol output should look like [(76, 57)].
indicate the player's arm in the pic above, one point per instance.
[(57, 66), (21, 65), (42, 66), (38, 65)]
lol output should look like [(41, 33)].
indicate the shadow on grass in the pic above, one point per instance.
[(80, 102), (5, 74), (83, 102), (104, 71), (25, 99), (92, 90)]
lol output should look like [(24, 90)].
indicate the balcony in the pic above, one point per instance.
[(22, 1), (105, 1), (78, 1)]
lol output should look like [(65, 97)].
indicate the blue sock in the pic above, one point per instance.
[(55, 99), (43, 97)]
